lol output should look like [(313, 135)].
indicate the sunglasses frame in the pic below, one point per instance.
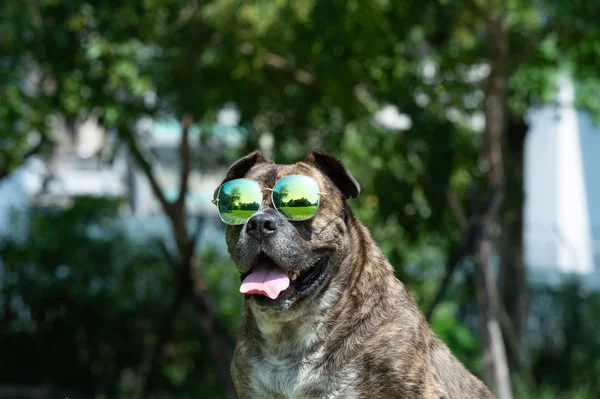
[(215, 201)]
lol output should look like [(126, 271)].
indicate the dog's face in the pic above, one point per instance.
[(304, 251)]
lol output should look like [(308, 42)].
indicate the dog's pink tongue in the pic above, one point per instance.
[(265, 280)]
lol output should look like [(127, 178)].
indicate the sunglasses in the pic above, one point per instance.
[(296, 197)]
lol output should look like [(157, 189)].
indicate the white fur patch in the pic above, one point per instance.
[(288, 367)]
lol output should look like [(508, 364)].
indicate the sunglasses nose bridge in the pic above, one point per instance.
[(267, 200)]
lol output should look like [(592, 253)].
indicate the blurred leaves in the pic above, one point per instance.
[(80, 304), (305, 75)]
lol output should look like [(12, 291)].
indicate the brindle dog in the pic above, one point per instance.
[(346, 327)]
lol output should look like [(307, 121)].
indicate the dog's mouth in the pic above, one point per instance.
[(269, 281)]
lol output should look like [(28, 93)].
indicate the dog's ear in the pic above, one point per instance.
[(240, 167), (335, 170)]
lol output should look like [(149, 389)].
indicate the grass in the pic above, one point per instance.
[(237, 216), (291, 212), (298, 212)]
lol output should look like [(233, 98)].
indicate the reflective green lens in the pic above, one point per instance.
[(238, 200), (296, 197)]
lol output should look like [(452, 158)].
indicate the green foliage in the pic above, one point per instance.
[(462, 341), (223, 281), (568, 353), (548, 392), (306, 74), (82, 304)]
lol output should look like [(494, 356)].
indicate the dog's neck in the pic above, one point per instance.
[(286, 336), (292, 332), (354, 273)]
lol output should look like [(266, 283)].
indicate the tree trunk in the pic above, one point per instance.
[(163, 335), (487, 299), (512, 279), (485, 285), (216, 340)]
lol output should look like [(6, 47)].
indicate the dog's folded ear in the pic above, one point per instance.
[(240, 167), (335, 170)]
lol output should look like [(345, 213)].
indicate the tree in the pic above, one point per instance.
[(234, 196), (468, 59), (280, 195), (516, 49), (82, 302), (299, 202), (123, 62)]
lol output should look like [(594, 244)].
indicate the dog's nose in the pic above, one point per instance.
[(261, 225)]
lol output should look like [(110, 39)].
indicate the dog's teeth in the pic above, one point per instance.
[(294, 275)]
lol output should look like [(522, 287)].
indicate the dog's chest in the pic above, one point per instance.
[(286, 378), (293, 370), (290, 369)]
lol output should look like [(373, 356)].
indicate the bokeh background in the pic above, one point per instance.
[(470, 124)]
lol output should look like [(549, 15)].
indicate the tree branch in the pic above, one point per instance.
[(161, 341), (451, 267), (511, 337), (36, 149), (529, 48), (280, 63), (186, 159), (455, 257), (168, 256), (194, 240), (213, 323), (216, 339), (485, 286), (142, 162), (217, 342), (457, 211), (4, 171)]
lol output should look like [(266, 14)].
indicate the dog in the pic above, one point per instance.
[(345, 327)]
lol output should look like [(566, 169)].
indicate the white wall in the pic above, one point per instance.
[(562, 193)]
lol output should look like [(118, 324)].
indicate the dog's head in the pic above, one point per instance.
[(303, 252)]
